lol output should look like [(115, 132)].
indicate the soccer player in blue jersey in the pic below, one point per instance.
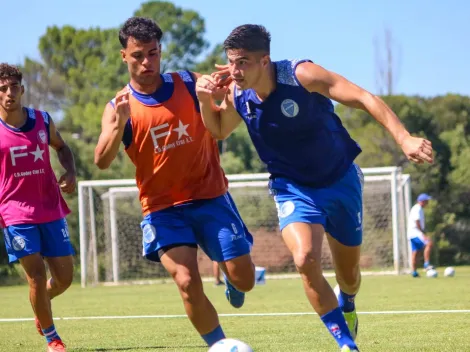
[(316, 185)]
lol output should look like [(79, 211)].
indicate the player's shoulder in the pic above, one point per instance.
[(286, 70), (185, 75), (34, 113)]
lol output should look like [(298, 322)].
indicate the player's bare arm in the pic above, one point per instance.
[(68, 180), (113, 121), (317, 79), (221, 120)]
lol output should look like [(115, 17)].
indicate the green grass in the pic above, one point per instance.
[(388, 332)]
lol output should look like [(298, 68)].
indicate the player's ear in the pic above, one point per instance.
[(265, 61), (22, 89), (123, 55)]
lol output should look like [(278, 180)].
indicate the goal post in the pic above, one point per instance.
[(111, 239)]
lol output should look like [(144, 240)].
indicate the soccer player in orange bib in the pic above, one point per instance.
[(182, 188)]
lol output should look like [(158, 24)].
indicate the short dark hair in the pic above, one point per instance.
[(250, 37), (10, 71), (141, 28)]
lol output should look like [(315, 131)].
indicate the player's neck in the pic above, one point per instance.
[(147, 88), (267, 83), (16, 118)]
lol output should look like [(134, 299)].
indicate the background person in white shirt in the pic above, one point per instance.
[(417, 235)]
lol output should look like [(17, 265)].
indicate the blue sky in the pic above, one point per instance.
[(433, 36)]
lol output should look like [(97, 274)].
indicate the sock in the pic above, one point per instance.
[(426, 264), (50, 334), (338, 328), (215, 335), (346, 302)]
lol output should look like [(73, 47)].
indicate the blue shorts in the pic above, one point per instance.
[(417, 244), (50, 239), (213, 224), (337, 207)]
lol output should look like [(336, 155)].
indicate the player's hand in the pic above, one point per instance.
[(417, 150), (68, 182), (222, 75), (208, 87), (121, 106)]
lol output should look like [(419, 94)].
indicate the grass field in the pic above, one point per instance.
[(399, 314)]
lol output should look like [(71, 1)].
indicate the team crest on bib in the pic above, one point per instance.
[(289, 108), (42, 136), (149, 233)]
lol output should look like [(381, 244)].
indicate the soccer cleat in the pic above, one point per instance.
[(56, 346), (349, 349), (353, 323), (350, 317), (415, 274), (235, 297), (38, 326)]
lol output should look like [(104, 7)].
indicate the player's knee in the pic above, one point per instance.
[(244, 283), (429, 244), (189, 286), (350, 280), (37, 280), (63, 281), (306, 261)]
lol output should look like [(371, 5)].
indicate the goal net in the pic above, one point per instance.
[(111, 238)]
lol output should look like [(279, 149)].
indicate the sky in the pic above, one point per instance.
[(431, 38)]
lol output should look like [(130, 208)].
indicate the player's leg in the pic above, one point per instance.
[(61, 269), (344, 226), (181, 264), (417, 246), (224, 237), (23, 243), (216, 273), (348, 275), (302, 220), (58, 251), (169, 239), (427, 252)]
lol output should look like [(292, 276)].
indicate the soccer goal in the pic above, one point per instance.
[(111, 238)]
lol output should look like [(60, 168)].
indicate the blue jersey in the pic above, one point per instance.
[(297, 133)]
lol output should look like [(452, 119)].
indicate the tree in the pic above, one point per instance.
[(387, 61), (183, 39), (44, 89), (216, 56)]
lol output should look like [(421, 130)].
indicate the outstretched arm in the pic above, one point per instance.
[(113, 123), (68, 180), (221, 120), (317, 79)]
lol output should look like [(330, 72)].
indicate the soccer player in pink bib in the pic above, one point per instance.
[(32, 210)]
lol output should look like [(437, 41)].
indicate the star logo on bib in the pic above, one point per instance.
[(38, 154), (181, 129)]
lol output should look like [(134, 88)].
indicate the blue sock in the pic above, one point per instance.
[(338, 328), (346, 302), (426, 264), (214, 336), (50, 334)]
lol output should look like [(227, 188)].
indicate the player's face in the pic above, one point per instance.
[(143, 60), (11, 91), (246, 68)]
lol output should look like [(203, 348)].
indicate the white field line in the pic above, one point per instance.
[(170, 316)]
